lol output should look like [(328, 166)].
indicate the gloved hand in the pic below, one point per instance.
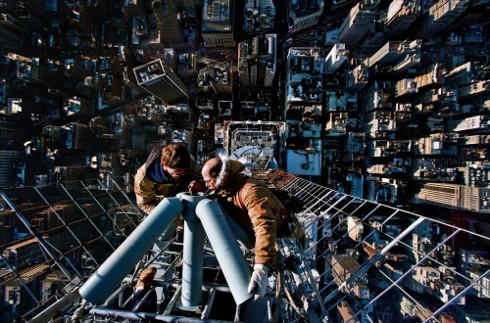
[(195, 186), (259, 281)]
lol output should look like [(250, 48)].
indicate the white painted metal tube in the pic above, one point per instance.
[(193, 253), (234, 265), (110, 274)]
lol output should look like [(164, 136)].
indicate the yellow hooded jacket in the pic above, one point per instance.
[(149, 193)]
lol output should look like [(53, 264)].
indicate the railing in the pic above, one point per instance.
[(361, 261), (54, 237), (385, 262)]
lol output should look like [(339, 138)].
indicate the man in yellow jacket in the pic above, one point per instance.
[(255, 207), (167, 171)]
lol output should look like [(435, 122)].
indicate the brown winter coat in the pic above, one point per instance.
[(258, 210)]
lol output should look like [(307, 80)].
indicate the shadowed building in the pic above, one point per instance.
[(159, 80)]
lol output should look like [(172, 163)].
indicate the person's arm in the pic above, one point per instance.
[(256, 200), (197, 182), (144, 190)]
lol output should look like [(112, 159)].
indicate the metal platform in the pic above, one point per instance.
[(361, 261)]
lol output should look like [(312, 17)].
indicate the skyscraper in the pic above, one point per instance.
[(166, 13), (159, 80), (217, 24)]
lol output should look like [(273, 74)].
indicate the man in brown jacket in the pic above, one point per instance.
[(167, 171), (255, 208)]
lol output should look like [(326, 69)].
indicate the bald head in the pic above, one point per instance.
[(210, 171)]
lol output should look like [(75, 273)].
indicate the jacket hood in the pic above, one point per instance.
[(146, 277), (155, 154), (229, 174)]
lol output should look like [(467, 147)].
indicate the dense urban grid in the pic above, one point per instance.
[(376, 114)]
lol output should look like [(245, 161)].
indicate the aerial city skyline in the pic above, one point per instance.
[(379, 101)]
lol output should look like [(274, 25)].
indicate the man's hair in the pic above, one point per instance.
[(175, 156)]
